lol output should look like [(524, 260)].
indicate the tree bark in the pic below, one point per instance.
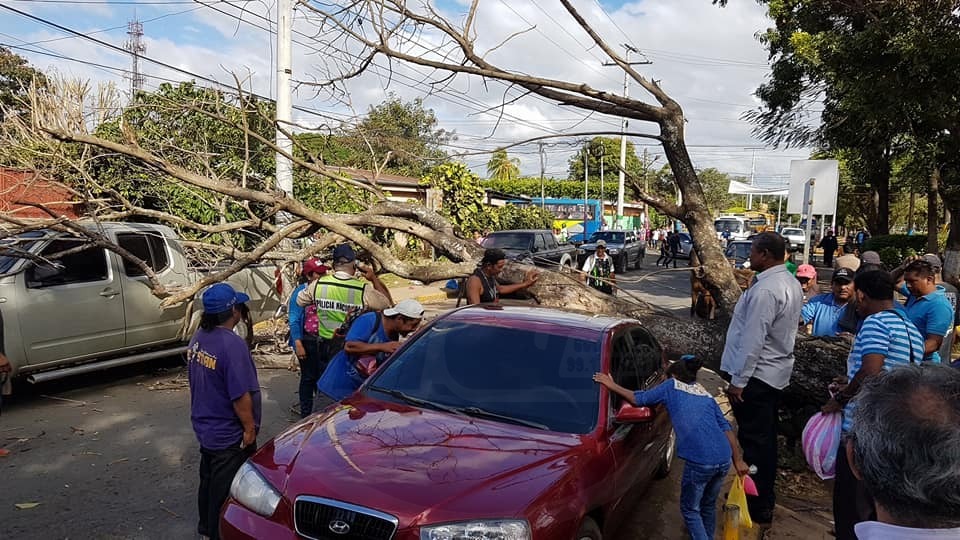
[(880, 180), (933, 215)]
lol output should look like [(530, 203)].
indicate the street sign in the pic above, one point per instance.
[(826, 172)]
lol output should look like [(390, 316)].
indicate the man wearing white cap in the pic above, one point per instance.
[(599, 269), (370, 335)]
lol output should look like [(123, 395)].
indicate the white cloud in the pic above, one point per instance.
[(704, 56)]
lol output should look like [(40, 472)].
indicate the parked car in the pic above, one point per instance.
[(794, 237), (686, 246), (455, 437), (738, 253), (539, 247), (92, 309), (625, 247)]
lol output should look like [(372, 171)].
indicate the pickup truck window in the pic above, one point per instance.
[(549, 240), (149, 247), (538, 244), (517, 241), (88, 264)]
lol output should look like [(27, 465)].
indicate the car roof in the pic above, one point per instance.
[(526, 316), (511, 231)]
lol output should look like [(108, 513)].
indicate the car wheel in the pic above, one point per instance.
[(640, 258), (589, 530), (621, 265), (666, 461)]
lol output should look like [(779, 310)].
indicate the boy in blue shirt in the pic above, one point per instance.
[(705, 440)]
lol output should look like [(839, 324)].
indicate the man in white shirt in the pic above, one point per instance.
[(599, 269), (758, 358), (905, 447)]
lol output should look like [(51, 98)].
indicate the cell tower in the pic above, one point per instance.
[(135, 47)]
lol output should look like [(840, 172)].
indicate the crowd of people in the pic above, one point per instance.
[(897, 353), (897, 469)]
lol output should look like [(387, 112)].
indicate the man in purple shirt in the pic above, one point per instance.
[(224, 400)]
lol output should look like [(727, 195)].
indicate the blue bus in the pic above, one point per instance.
[(570, 214)]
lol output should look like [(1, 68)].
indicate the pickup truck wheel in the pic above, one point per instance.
[(620, 266), (589, 530), (640, 258)]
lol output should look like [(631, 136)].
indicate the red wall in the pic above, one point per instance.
[(25, 186)]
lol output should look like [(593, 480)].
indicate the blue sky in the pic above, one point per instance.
[(705, 57)]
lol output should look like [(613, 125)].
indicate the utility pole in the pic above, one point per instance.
[(586, 182), (135, 47), (543, 171), (603, 199), (623, 123), (753, 171), (284, 102)]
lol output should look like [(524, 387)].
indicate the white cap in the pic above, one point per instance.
[(409, 308), (601, 243)]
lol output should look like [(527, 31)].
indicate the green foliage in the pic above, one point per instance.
[(402, 137), (609, 149), (509, 217), (175, 122), (323, 194), (503, 168), (893, 248), (462, 193), (16, 76)]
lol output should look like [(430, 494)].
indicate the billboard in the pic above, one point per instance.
[(826, 172)]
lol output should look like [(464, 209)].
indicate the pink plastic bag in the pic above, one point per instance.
[(821, 439)]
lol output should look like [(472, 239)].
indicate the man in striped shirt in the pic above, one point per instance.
[(887, 339)]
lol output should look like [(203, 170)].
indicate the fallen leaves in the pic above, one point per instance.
[(27, 505)]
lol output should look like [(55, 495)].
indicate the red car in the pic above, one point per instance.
[(485, 424)]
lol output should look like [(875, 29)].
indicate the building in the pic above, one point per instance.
[(19, 189)]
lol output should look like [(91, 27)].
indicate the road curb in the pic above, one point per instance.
[(432, 298)]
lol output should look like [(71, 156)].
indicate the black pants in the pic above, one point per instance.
[(828, 259), (217, 469), (851, 502), (311, 368), (673, 257), (757, 432)]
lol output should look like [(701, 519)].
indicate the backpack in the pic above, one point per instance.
[(336, 343)]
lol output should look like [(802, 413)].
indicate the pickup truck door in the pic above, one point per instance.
[(72, 312), (147, 323)]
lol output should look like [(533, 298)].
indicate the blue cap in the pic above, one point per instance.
[(221, 297), (687, 358), (344, 251)]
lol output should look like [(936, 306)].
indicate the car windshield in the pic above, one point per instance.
[(684, 237), (738, 250), (727, 224), (607, 236), (531, 375), (793, 232), (516, 241), (11, 249)]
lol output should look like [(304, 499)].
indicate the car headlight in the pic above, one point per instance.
[(252, 490), (613, 251), (581, 252), (506, 529)]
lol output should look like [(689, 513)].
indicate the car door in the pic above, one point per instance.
[(634, 445), (146, 322), (72, 311), (540, 256), (638, 368), (551, 250)]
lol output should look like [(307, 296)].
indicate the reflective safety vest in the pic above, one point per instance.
[(334, 299)]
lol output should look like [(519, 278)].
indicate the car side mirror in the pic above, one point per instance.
[(628, 414)]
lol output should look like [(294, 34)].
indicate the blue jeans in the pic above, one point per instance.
[(699, 488)]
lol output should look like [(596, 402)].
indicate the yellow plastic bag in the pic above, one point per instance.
[(735, 512)]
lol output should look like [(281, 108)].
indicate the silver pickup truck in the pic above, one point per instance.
[(94, 310)]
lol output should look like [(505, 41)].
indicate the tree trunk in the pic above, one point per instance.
[(913, 206), (718, 274), (880, 180), (950, 194), (933, 225)]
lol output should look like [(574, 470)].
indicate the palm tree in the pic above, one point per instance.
[(503, 167)]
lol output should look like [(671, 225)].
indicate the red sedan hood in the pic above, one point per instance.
[(410, 462)]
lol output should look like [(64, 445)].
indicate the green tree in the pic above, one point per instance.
[(502, 167), (16, 76), (607, 149), (179, 122), (462, 193), (395, 136)]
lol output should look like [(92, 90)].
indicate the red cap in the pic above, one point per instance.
[(311, 266)]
